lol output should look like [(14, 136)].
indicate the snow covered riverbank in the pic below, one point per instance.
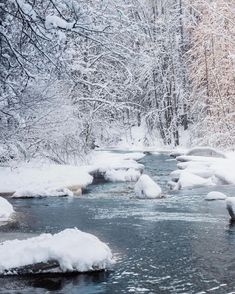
[(197, 170), (37, 179)]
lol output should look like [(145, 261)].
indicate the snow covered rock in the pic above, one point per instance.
[(6, 210), (205, 151), (189, 180), (147, 188), (214, 195), (129, 175), (68, 251), (230, 205)]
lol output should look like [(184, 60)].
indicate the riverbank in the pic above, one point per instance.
[(42, 178)]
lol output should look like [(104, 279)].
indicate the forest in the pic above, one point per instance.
[(77, 74)]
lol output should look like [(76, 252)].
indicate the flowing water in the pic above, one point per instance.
[(179, 244)]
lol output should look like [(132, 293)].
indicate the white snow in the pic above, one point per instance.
[(147, 188), (190, 180), (27, 9), (203, 170), (72, 249), (30, 180), (230, 205), (43, 192), (40, 179), (53, 22), (6, 210), (215, 195), (129, 175), (116, 166)]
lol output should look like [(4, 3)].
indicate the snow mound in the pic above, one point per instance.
[(147, 188), (214, 195), (129, 175), (230, 205), (205, 151), (68, 251), (6, 210), (190, 180)]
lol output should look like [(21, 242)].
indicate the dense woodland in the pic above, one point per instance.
[(80, 73)]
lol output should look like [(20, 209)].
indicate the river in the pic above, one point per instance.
[(179, 244)]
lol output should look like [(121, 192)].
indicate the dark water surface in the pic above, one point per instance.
[(180, 244)]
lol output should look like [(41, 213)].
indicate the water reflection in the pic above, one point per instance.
[(93, 283)]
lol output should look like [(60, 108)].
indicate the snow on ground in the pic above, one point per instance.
[(37, 179), (216, 168), (6, 210), (41, 180), (147, 188), (68, 251), (215, 195)]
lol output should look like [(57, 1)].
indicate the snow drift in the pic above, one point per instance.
[(215, 195), (6, 210), (147, 188), (68, 251)]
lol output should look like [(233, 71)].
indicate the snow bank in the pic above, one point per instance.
[(230, 205), (43, 180), (147, 188), (129, 175), (214, 195), (196, 170), (6, 210), (68, 251)]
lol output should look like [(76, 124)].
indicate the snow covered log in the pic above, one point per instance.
[(147, 188), (215, 195), (6, 210), (230, 205), (68, 251), (205, 151)]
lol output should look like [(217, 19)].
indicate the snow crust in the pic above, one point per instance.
[(70, 250), (147, 188), (6, 210), (215, 195)]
